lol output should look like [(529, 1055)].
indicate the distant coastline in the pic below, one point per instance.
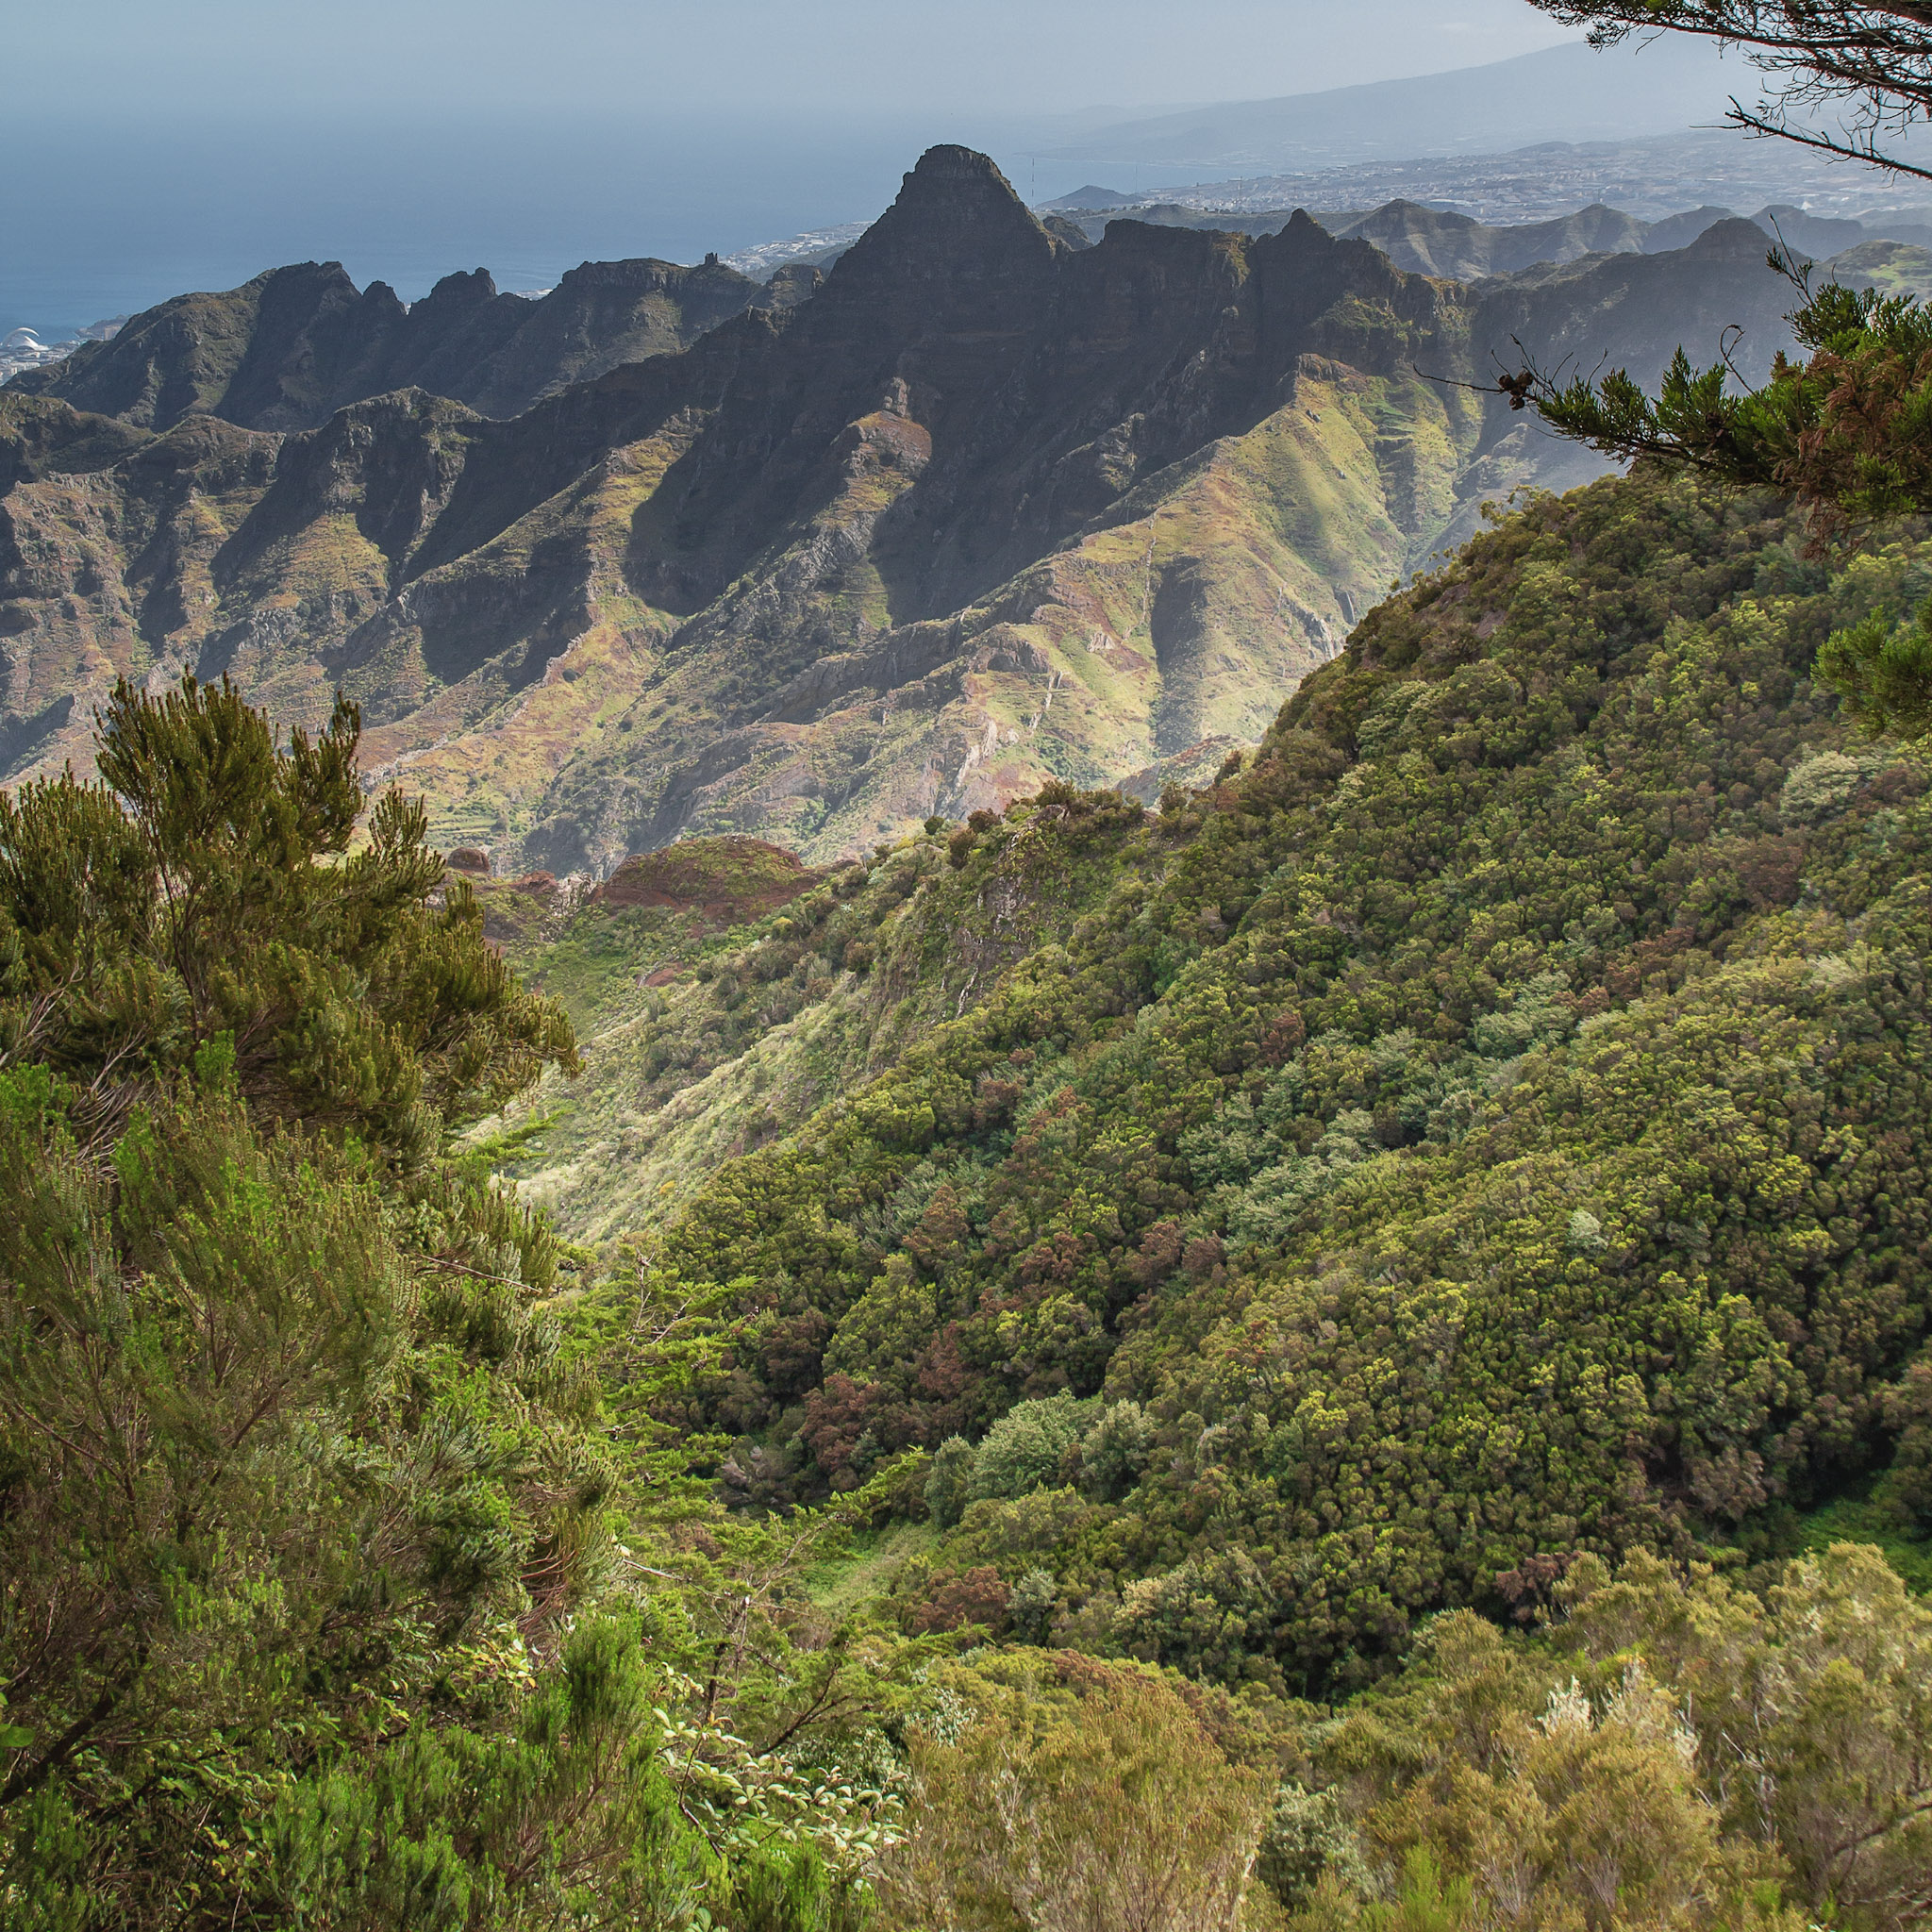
[(24, 348)]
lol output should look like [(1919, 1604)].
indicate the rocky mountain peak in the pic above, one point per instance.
[(954, 215), (1736, 240), (310, 280), (459, 291), (1415, 210), (289, 348), (948, 170), (649, 274)]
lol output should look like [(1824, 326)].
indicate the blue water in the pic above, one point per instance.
[(107, 219)]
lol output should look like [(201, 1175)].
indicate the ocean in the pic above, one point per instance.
[(107, 219)]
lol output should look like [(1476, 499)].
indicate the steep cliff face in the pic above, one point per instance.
[(295, 345), (982, 508), (598, 316)]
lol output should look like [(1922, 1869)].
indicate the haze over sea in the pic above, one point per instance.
[(111, 222)]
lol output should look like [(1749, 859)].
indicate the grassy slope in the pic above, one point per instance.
[(876, 1559), (1893, 267)]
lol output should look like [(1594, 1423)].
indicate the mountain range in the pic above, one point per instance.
[(1433, 240), (673, 551), (1567, 93), (289, 349), (1652, 178)]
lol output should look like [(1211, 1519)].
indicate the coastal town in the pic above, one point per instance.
[(23, 348)]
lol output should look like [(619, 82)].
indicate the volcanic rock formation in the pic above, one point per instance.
[(982, 508)]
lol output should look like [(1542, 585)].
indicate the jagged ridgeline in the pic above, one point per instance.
[(672, 551), (1490, 1124), (289, 349)]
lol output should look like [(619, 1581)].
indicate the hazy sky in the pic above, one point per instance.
[(148, 146), (87, 56)]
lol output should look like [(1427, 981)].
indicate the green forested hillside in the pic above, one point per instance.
[(1346, 1352), (1490, 1125)]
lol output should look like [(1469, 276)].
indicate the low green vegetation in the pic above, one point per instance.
[(701, 1042), (1344, 1352), (867, 1566), (1868, 1513)]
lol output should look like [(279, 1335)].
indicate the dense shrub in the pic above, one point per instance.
[(1025, 1449), (949, 1486)]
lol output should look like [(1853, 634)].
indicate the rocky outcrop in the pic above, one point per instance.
[(41, 437), (725, 881), (273, 354), (289, 349), (598, 316)]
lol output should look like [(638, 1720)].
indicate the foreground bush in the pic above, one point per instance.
[(1667, 1752), (1094, 1800), (285, 1437)]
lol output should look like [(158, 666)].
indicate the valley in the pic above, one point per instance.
[(1007, 1079)]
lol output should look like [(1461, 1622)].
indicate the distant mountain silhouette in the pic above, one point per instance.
[(1568, 92), (288, 349)]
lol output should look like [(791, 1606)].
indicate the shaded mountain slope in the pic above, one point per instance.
[(1691, 296), (1492, 1125), (295, 344), (1680, 230), (982, 510), (1422, 240), (1435, 241), (39, 439)]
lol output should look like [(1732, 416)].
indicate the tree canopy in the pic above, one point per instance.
[(1847, 431), (1846, 428)]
